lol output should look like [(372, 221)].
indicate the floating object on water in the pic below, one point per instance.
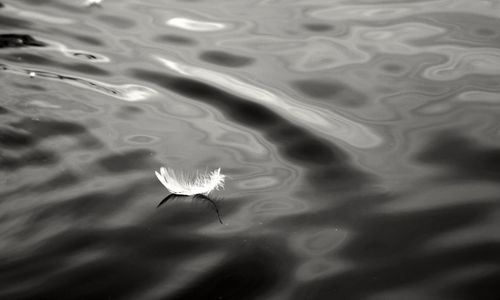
[(90, 3), (197, 186), (189, 185), (32, 74)]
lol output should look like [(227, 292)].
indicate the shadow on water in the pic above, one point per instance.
[(123, 263), (462, 157), (326, 162), (393, 252), (29, 132), (225, 59), (15, 23), (34, 157), (26, 135), (405, 251), (332, 91), (103, 264), (128, 161), (175, 39), (3, 110), (19, 40), (198, 197), (250, 273)]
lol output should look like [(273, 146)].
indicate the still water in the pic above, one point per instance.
[(360, 139)]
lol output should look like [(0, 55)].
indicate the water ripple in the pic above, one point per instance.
[(278, 207), (390, 10), (360, 139), (126, 92), (328, 123), (195, 25), (36, 16), (463, 62), (74, 53), (480, 96)]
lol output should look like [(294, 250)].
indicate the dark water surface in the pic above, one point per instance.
[(360, 139)]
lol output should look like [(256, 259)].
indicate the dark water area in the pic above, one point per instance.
[(360, 141)]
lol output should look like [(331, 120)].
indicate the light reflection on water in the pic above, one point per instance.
[(360, 142), (332, 124)]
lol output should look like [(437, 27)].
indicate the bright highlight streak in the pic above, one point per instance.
[(194, 25), (327, 122)]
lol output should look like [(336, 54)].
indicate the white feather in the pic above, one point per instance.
[(189, 185), (92, 2)]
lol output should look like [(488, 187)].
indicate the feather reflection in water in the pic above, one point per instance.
[(200, 197)]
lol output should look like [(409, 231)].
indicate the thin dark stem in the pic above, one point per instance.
[(197, 196), (169, 197), (204, 197)]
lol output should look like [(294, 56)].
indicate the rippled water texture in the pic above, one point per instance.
[(360, 140)]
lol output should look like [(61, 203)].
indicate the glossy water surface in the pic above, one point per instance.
[(360, 139)]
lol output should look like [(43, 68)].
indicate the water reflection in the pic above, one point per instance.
[(462, 157), (278, 207), (11, 22), (225, 59), (197, 198), (328, 123), (35, 59), (339, 92), (195, 25), (75, 53), (36, 157), (479, 97), (127, 92), (318, 27), (176, 39), (134, 160), (360, 139), (33, 15), (385, 251), (19, 40)]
